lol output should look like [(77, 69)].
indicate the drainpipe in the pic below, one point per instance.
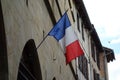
[(105, 64), (89, 60)]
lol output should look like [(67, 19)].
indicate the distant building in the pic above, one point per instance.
[(25, 23), (105, 57)]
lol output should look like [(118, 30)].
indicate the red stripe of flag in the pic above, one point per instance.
[(73, 50)]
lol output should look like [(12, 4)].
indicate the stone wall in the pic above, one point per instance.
[(29, 19)]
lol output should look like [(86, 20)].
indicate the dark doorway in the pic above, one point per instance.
[(29, 67), (3, 49)]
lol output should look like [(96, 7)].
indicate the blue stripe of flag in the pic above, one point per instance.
[(58, 31)]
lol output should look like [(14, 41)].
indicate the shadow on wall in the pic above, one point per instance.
[(3, 49)]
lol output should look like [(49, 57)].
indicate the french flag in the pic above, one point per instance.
[(67, 38)]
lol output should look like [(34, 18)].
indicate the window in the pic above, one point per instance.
[(98, 60), (70, 4), (58, 6), (72, 16), (95, 53), (49, 8), (78, 22), (83, 66), (54, 78), (29, 67), (82, 26), (93, 50), (96, 75)]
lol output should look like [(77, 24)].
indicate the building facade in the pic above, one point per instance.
[(25, 23)]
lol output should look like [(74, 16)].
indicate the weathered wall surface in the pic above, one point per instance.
[(103, 67), (29, 19)]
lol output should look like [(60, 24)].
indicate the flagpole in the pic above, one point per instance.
[(46, 35), (42, 41)]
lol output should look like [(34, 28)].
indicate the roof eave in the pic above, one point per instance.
[(83, 13)]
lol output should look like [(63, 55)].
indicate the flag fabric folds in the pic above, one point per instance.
[(67, 38)]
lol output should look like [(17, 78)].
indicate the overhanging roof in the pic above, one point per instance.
[(109, 53), (83, 13)]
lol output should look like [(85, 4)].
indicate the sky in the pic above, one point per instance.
[(105, 15)]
